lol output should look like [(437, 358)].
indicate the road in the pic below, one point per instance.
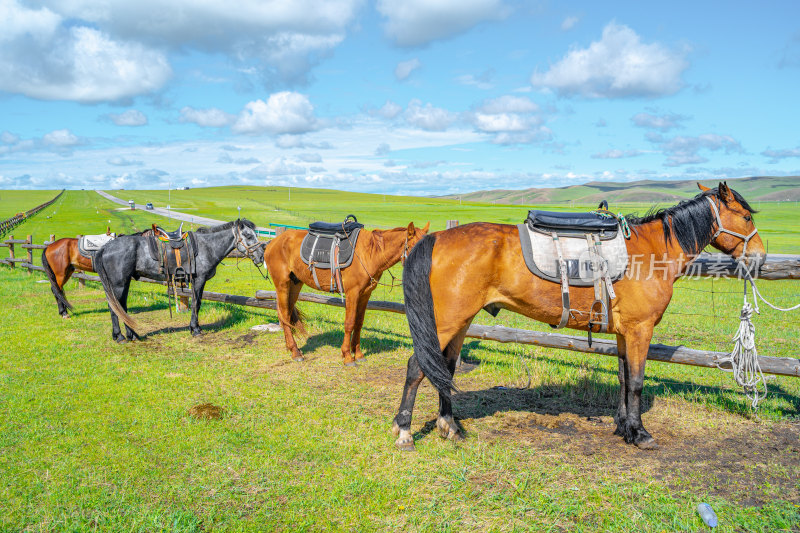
[(194, 219)]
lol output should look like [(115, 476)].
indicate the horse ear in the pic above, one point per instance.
[(725, 192), (702, 187), (426, 228), (411, 229)]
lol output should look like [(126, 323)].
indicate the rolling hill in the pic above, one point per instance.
[(760, 188)]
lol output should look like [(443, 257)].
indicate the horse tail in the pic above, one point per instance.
[(113, 303), (421, 317), (58, 292), (298, 322)]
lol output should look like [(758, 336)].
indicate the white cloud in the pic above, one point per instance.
[(682, 150), (276, 167), (131, 117), (61, 138), (404, 68), (119, 161), (44, 55), (776, 155), (662, 123), (418, 22), (389, 110), (569, 23), (8, 138), (483, 81), (310, 158), (428, 117), (509, 104), (619, 65), (617, 154), (383, 149), (514, 120), (207, 118), (282, 113)]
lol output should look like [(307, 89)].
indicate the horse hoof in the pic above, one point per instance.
[(351, 364), (405, 445), (395, 429), (298, 359), (647, 444), (121, 341), (65, 316), (197, 333)]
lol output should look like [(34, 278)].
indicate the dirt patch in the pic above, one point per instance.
[(206, 411), (743, 460)]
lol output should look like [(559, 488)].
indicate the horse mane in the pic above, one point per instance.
[(690, 222), (226, 225)]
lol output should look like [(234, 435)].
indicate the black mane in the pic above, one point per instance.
[(226, 225), (691, 222)]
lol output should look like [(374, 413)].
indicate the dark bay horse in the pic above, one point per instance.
[(451, 275), (128, 257), (375, 251), (60, 260)]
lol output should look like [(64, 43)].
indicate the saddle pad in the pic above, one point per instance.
[(541, 256), (89, 244), (321, 257), (549, 221)]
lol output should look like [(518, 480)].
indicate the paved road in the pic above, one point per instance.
[(194, 219)]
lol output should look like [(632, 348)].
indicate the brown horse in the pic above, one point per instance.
[(451, 275), (60, 260), (375, 251)]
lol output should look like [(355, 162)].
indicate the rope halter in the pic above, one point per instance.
[(721, 228)]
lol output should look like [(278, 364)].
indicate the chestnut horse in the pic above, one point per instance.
[(375, 252), (451, 275)]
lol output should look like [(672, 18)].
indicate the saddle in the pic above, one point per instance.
[(175, 252), (330, 246), (89, 244), (576, 250)]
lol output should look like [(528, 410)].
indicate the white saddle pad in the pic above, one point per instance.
[(92, 243), (579, 258)]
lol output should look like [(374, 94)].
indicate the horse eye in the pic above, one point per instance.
[(748, 218)]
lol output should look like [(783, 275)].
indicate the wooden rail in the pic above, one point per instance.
[(776, 267)]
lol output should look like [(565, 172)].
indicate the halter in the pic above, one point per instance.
[(240, 244), (721, 229)]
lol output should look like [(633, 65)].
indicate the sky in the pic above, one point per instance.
[(420, 97)]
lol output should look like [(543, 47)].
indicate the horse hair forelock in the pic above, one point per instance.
[(691, 222)]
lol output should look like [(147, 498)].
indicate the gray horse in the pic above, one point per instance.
[(129, 257)]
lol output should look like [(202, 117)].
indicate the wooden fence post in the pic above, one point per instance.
[(11, 252), (52, 239), (451, 224), (183, 304), (30, 254)]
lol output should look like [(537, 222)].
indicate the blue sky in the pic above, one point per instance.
[(414, 97)]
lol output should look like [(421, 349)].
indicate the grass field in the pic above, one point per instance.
[(97, 436)]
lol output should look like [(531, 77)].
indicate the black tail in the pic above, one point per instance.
[(113, 303), (421, 317), (58, 292)]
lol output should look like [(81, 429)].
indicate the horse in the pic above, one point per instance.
[(451, 275), (375, 252), (60, 260), (129, 257)]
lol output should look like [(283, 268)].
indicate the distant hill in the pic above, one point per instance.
[(760, 188)]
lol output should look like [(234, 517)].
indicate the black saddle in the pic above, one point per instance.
[(553, 221), (176, 239), (333, 228), (175, 252), (330, 246)]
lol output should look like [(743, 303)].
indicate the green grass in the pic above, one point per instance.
[(13, 202), (96, 436)]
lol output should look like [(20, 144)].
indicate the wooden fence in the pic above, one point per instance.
[(776, 267), (9, 223)]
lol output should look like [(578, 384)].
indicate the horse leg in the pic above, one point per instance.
[(361, 310), (447, 426), (61, 280), (636, 345), (622, 409), (197, 296), (285, 301), (350, 312), (401, 427), (123, 301), (116, 333)]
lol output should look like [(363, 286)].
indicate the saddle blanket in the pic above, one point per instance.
[(583, 265), (318, 249), (89, 244)]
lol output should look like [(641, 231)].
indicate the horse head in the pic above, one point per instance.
[(413, 236), (247, 241), (735, 234)]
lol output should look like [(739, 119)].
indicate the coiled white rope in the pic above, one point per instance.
[(744, 356)]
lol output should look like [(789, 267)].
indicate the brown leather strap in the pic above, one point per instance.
[(562, 267)]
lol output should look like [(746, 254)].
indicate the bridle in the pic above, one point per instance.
[(246, 250), (721, 228)]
